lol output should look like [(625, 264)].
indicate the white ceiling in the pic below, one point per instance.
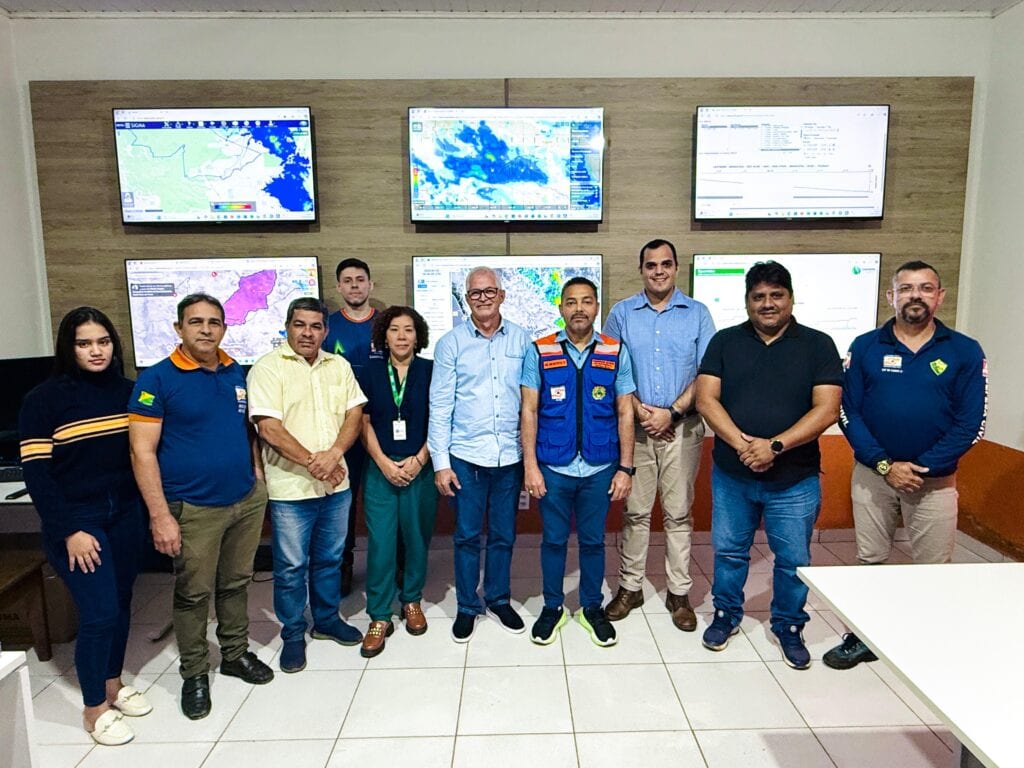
[(641, 8)]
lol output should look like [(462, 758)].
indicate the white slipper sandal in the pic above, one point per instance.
[(110, 729), (132, 702)]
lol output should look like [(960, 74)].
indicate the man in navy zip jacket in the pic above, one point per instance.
[(914, 402)]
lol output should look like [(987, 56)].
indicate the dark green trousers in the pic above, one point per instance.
[(388, 509)]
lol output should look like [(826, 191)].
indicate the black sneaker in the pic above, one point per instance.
[(545, 629), (464, 627), (598, 627), (849, 653), (506, 617), (716, 636), (794, 652)]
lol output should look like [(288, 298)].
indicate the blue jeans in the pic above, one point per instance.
[(309, 536), (587, 498), (789, 511), (494, 492), (103, 597)]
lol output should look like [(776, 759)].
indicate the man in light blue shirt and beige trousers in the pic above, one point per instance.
[(473, 436), (666, 332)]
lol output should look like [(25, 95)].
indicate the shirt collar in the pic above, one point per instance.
[(183, 362), (792, 330), (286, 351), (887, 333), (563, 336), (677, 299), (476, 331)]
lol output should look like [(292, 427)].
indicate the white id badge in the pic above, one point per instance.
[(398, 429)]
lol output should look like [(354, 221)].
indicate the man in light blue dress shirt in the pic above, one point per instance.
[(666, 332), (473, 437)]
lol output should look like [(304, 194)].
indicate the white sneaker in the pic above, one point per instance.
[(110, 729), (132, 702)]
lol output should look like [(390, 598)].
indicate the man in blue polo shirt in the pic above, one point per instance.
[(196, 465), (577, 428), (666, 332), (914, 402)]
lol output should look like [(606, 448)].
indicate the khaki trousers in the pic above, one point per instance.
[(218, 545), (667, 468), (929, 516)]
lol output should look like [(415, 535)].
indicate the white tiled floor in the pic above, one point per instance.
[(656, 699)]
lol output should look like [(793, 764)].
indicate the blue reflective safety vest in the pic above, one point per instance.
[(576, 413)]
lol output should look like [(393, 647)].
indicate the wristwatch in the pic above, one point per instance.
[(676, 415), (777, 447), (628, 470), (883, 467)]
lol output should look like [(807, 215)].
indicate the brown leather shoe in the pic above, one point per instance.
[(682, 614), (623, 602), (373, 640), (415, 621)]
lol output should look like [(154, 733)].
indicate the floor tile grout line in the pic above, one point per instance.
[(458, 710)]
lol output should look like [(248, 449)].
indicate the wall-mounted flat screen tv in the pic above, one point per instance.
[(834, 292), (215, 166), (790, 162), (532, 285), (506, 164), (255, 292)]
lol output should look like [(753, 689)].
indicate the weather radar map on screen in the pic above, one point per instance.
[(255, 293), (215, 165), (532, 284), (506, 164)]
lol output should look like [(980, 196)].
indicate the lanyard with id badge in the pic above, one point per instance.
[(398, 431)]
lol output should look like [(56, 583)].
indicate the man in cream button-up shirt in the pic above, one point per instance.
[(307, 408)]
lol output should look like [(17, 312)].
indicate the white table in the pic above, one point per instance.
[(953, 633), (17, 725)]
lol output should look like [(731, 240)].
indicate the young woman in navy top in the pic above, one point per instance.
[(74, 450)]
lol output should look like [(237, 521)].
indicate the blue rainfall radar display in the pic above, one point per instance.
[(506, 164)]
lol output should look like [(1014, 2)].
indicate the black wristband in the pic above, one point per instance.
[(628, 470)]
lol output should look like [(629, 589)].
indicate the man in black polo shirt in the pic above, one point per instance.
[(768, 388)]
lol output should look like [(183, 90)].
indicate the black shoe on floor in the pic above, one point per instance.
[(849, 654), (597, 625), (195, 697), (248, 668), (506, 617), (464, 627)]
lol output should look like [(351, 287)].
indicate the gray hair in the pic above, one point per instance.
[(484, 271)]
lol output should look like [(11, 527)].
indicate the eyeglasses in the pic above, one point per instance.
[(480, 293)]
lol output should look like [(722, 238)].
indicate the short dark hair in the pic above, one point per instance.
[(379, 334), (580, 281), (352, 262), (64, 360), (658, 243), (770, 272), (198, 298), (916, 266), (308, 304)]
